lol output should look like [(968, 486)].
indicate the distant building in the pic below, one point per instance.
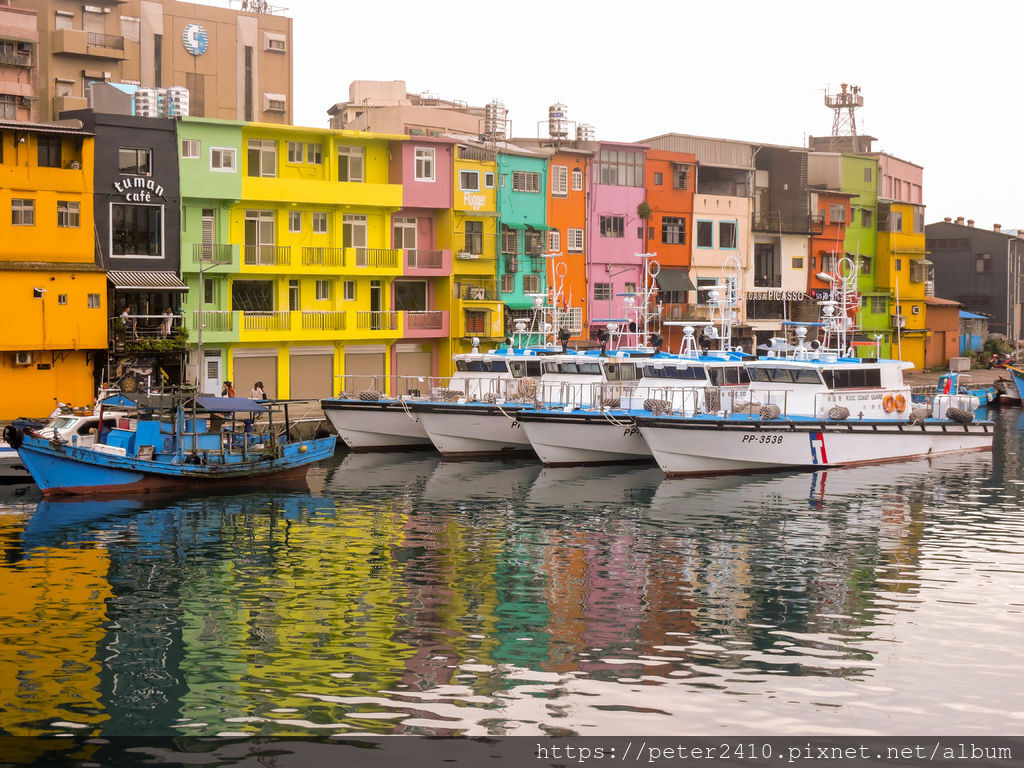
[(19, 63), (236, 65), (384, 106), (983, 269)]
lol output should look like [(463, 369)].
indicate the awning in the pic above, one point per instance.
[(675, 280), (146, 281), (537, 226), (229, 404), (513, 225)]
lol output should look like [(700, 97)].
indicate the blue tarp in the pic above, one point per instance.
[(229, 404), (971, 316)]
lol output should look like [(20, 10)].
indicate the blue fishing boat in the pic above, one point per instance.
[(169, 442), (1015, 392), (956, 383)]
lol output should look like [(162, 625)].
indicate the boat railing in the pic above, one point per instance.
[(894, 404)]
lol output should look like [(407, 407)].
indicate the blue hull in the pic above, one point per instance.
[(66, 469), (1018, 379)]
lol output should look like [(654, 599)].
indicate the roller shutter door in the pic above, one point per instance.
[(311, 376), (248, 370), (413, 364), (364, 370)]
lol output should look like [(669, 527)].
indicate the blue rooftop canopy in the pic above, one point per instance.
[(972, 316)]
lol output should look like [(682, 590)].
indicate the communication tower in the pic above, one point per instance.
[(844, 105)]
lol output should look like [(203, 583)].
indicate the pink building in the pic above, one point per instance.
[(898, 180), (615, 230), (19, 63)]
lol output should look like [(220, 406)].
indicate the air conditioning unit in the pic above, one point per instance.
[(899, 321), (23, 358)]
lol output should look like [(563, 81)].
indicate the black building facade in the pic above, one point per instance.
[(983, 269)]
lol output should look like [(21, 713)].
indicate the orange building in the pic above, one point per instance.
[(830, 211), (567, 226), (669, 181)]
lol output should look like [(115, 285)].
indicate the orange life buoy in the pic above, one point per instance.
[(901, 403), (888, 403)]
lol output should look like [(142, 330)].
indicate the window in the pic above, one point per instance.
[(68, 214), (130, 28), (350, 163), (348, 290), (469, 181), (612, 226), (476, 321), (704, 286), (525, 181), (158, 60), (274, 102), (705, 234), (424, 164), (64, 20), (865, 265), (49, 152), (488, 181), (262, 158), (559, 181), (554, 241), (508, 283), (680, 176), (62, 298), (727, 234), (837, 213), (63, 87), (879, 305), (135, 161), (92, 301), (867, 173), (276, 44), (23, 212), (798, 262), (353, 230), (865, 215), (983, 263), (296, 150), (622, 168), (577, 180), (209, 291), (190, 149), (294, 221), (899, 265), (574, 240), (896, 221), (531, 283), (404, 228), (315, 153), (629, 288), (658, 179), (475, 237), (918, 219), (222, 159), (252, 295), (673, 230), (602, 291), (259, 232), (509, 240), (323, 290), (320, 222), (136, 230)]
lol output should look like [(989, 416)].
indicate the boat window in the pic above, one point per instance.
[(590, 368), (460, 365), (518, 368), (611, 372), (627, 372), (779, 375), (687, 373), (62, 423), (804, 376), (856, 378), (732, 376), (476, 366), (654, 373), (550, 367), (87, 428), (498, 366), (533, 368)]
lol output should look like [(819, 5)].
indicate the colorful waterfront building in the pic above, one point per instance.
[(669, 181), (826, 246), (615, 231), (55, 307), (297, 242), (522, 183), (470, 231)]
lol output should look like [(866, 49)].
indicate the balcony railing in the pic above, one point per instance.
[(267, 321), (377, 321), (685, 312), (424, 320), (424, 259), (268, 255), (16, 59), (478, 293), (788, 221), (212, 253), (214, 321), (323, 321), (323, 257), (383, 258), (106, 41), (478, 154)]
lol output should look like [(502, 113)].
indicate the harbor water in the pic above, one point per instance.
[(405, 594)]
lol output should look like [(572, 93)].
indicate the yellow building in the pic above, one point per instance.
[(471, 231), (54, 312), (904, 271)]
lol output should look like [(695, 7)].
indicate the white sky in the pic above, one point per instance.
[(940, 80)]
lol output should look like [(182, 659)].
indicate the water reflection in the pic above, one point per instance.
[(406, 594)]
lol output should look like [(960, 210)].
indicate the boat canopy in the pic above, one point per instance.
[(229, 404)]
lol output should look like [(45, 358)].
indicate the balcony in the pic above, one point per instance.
[(215, 322), (323, 257), (78, 42), (478, 293), (684, 312), (429, 324), (324, 321), (68, 103), (427, 263), (377, 321), (376, 258), (266, 321), (16, 59), (214, 254), (268, 255), (790, 222)]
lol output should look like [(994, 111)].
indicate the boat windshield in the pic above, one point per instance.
[(481, 366), (731, 376), (573, 368), (784, 375), (856, 378), (684, 372), (522, 368), (61, 423)]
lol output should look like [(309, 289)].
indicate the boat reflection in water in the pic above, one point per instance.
[(423, 596)]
